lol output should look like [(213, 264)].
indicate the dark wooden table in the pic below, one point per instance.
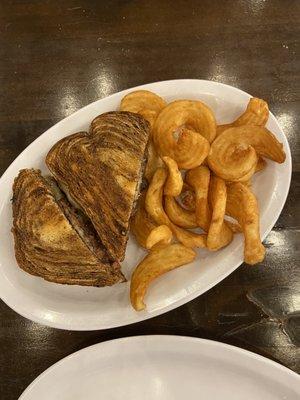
[(57, 56)]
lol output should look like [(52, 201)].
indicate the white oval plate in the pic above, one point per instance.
[(82, 308), (164, 368)]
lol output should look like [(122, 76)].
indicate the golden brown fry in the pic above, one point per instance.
[(143, 102), (159, 261), (153, 161), (260, 138), (198, 178), (195, 125), (219, 234), (187, 238), (161, 235), (178, 215), (154, 195), (237, 162), (247, 177), (256, 113), (174, 183), (153, 204), (188, 140), (242, 205), (142, 224), (233, 154)]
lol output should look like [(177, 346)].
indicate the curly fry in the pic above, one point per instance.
[(174, 183), (154, 207), (142, 224), (242, 205), (199, 178), (196, 126), (143, 102), (153, 161), (161, 235), (219, 233), (188, 140), (256, 113), (233, 154), (159, 261), (178, 215)]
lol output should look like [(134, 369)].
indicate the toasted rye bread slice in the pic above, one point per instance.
[(47, 244), (102, 172)]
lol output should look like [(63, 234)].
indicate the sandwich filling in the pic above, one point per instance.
[(79, 221)]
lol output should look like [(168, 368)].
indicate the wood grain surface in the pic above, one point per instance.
[(57, 56)]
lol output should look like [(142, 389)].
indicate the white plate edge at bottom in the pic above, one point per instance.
[(159, 338)]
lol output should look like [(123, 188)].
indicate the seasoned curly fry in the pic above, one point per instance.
[(235, 162), (256, 113), (159, 261), (233, 154), (161, 235), (153, 161), (142, 224), (219, 234), (154, 207), (188, 140), (247, 177), (260, 138), (143, 102), (242, 205), (195, 124), (198, 178), (178, 215), (174, 183)]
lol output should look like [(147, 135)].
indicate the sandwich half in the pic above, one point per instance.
[(101, 172), (55, 241)]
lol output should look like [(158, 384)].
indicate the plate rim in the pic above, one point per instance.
[(143, 316), (177, 339)]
